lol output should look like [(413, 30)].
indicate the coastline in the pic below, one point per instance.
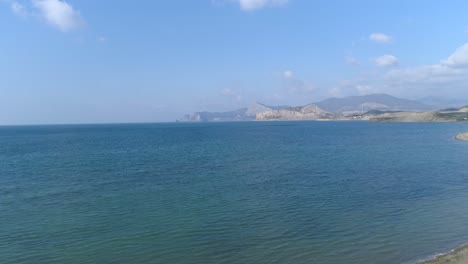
[(462, 136), (456, 256)]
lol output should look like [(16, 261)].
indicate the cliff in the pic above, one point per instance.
[(308, 112), (242, 114)]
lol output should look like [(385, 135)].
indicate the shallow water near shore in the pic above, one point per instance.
[(279, 192)]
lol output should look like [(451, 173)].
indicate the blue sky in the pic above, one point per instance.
[(93, 61)]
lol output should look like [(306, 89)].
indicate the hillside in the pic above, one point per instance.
[(447, 115), (365, 103), (308, 112), (374, 107)]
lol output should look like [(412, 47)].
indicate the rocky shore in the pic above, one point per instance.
[(462, 136)]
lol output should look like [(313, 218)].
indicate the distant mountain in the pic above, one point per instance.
[(441, 102), (308, 112), (243, 114), (347, 108), (365, 103)]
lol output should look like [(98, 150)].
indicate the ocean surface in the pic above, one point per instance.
[(259, 192)]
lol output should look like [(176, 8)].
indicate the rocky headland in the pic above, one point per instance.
[(462, 136), (308, 112)]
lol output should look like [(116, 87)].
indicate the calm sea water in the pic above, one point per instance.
[(298, 192)]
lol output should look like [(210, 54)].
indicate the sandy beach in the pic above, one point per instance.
[(457, 256)]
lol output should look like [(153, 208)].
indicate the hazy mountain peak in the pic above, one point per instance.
[(255, 108), (369, 102)]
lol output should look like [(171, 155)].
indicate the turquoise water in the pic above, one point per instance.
[(299, 192)]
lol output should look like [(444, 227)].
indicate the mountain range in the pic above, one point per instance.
[(361, 104), (329, 109)]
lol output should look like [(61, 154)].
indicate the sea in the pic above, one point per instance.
[(240, 192)]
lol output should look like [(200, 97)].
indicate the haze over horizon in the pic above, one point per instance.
[(110, 61)]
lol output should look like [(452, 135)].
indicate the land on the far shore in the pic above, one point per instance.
[(374, 108)]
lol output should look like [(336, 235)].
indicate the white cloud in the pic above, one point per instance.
[(295, 84), (59, 14), (233, 94), (452, 69), (428, 80), (249, 5), (448, 78), (459, 58), (386, 61), (380, 38), (427, 74)]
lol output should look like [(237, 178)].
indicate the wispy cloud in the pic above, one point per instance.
[(102, 39), (386, 61), (59, 14), (449, 77), (380, 38), (18, 9), (234, 95), (295, 84), (364, 89), (459, 58), (454, 68), (351, 60), (249, 5), (359, 86), (288, 74)]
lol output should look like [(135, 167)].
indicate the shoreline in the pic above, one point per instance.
[(456, 256)]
